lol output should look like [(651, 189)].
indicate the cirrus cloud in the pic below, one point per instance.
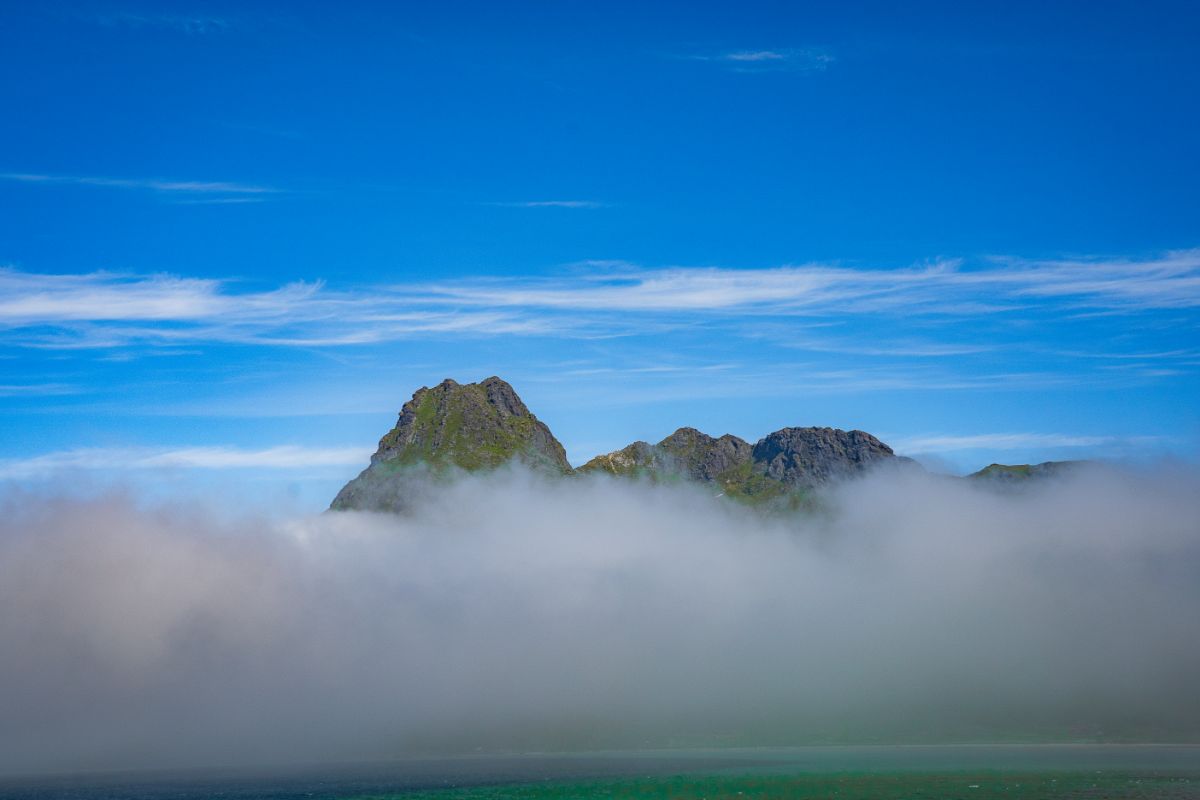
[(595, 300)]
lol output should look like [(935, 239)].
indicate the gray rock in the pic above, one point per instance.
[(808, 457), (703, 458)]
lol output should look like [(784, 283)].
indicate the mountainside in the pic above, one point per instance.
[(786, 461), (476, 426), (482, 426), (686, 453), (690, 455), (1022, 473)]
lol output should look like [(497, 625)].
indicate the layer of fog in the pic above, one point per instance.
[(508, 613)]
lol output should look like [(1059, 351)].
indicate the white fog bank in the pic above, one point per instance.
[(510, 614)]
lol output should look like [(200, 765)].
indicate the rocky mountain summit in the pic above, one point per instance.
[(690, 455), (785, 462), (686, 453), (808, 457), (471, 427), (482, 426)]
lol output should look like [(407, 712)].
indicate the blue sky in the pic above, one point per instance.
[(236, 237)]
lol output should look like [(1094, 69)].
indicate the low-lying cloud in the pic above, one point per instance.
[(508, 613), (110, 459)]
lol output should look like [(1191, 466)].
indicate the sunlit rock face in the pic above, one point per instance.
[(471, 427)]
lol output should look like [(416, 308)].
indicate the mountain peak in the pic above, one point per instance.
[(473, 426), (702, 457), (503, 397), (806, 457)]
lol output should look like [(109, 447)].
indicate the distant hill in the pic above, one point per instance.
[(1016, 474), (481, 426)]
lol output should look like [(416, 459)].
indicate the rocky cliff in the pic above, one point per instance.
[(808, 457)]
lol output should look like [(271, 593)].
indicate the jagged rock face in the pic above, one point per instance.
[(807, 457), (474, 426), (703, 458)]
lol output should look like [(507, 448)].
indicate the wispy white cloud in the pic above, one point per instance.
[(551, 204), (1133, 356), (28, 298), (947, 287), (1171, 280), (288, 457), (36, 389), (104, 309), (938, 443), (220, 201), (236, 192), (899, 348), (805, 60), (680, 289), (755, 55), (689, 370), (194, 24), (606, 386)]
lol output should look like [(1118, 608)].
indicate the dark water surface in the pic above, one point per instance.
[(348, 780)]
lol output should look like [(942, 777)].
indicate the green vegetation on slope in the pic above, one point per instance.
[(475, 427), (1019, 473), (451, 430), (726, 463), (638, 460), (746, 484), (450, 427)]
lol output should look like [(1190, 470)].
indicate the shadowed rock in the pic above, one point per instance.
[(808, 457), (703, 458)]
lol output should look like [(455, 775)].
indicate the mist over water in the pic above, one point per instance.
[(509, 613)]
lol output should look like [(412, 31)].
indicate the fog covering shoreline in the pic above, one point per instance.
[(510, 613)]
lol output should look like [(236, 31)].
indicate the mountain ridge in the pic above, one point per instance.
[(482, 426)]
